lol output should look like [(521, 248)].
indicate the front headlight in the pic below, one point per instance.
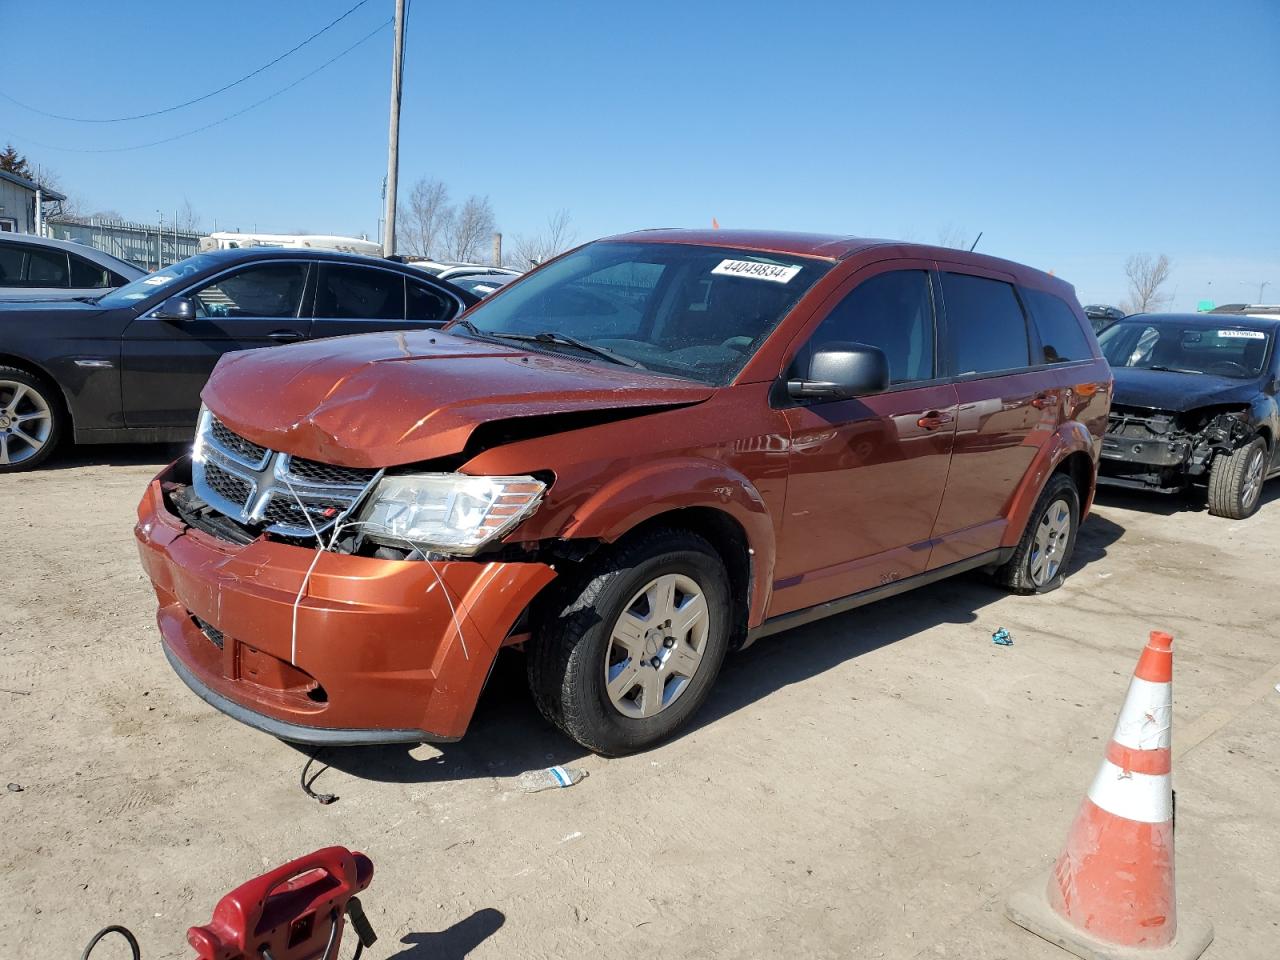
[(448, 512)]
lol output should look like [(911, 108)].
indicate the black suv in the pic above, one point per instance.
[(1194, 404), (130, 365)]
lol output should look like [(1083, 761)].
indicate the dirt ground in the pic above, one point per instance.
[(868, 786)]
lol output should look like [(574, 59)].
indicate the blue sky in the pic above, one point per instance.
[(1072, 134)]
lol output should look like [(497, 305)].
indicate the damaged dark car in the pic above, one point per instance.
[(1195, 407)]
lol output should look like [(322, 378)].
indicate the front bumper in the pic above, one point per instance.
[(375, 651)]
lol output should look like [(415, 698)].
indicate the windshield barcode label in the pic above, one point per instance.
[(774, 272), (1243, 334)]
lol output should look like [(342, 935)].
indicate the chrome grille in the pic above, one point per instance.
[(274, 491), (311, 470), (227, 484), (246, 450)]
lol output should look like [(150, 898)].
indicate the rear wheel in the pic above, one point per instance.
[(1039, 562), (629, 653), (30, 420), (1235, 481)]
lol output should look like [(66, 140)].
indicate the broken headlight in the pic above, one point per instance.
[(448, 512)]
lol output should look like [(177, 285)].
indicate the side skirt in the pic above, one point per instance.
[(135, 434), (798, 618)]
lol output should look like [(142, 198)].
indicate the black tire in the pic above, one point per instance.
[(1231, 494), (567, 657), (1022, 573), (35, 398)]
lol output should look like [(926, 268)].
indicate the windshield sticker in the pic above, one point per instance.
[(156, 281), (773, 272), (1243, 334)]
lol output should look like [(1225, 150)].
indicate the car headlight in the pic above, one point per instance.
[(448, 512)]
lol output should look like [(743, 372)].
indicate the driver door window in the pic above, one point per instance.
[(266, 290)]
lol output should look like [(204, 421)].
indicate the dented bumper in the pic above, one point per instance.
[(375, 651)]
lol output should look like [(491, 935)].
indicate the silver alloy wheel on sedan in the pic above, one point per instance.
[(1253, 479), (25, 422), (1050, 542), (656, 646)]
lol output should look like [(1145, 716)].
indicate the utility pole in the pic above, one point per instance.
[(1262, 287), (393, 135), (497, 249)]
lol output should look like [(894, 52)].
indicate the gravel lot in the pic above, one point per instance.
[(869, 786)]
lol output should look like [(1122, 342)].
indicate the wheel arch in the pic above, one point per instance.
[(40, 372), (1072, 449), (705, 496)]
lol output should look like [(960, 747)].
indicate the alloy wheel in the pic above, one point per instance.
[(1252, 480), (656, 646), (26, 422), (1050, 543)]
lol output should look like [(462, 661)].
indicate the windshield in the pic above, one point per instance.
[(153, 283), (689, 311), (1223, 350)]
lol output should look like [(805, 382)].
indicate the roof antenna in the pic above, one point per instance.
[(975, 241)]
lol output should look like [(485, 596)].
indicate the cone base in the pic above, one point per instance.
[(1029, 907)]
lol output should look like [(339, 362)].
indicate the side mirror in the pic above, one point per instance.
[(177, 308), (841, 371)]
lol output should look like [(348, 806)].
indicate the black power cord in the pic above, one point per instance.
[(114, 928), (324, 799)]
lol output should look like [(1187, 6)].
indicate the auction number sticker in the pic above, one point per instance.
[(155, 281), (773, 272), (1242, 334)]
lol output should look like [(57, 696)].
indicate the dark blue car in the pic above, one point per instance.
[(1194, 405)]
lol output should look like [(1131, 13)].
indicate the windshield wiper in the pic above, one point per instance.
[(550, 336), (1164, 369), (87, 299), (470, 327)]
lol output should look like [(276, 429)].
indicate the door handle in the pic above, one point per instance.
[(1042, 401), (933, 420), (284, 335)]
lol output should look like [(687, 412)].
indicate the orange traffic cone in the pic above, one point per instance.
[(1111, 893)]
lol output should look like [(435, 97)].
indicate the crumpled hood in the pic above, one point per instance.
[(1177, 392), (383, 399)]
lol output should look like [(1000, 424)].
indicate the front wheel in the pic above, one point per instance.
[(30, 420), (1040, 560), (630, 651), (1235, 481)]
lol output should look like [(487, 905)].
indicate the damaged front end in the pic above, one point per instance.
[(1167, 451)]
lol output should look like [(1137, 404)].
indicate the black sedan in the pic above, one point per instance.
[(1194, 404), (130, 365)]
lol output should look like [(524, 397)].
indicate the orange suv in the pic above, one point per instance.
[(650, 451)]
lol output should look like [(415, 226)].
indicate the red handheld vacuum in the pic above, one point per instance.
[(295, 912)]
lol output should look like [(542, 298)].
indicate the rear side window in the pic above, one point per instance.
[(87, 274), (892, 311), (47, 268), (354, 293), (1061, 338), (985, 325), (11, 265), (426, 305)]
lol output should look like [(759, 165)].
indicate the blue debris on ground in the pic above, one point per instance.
[(1001, 638)]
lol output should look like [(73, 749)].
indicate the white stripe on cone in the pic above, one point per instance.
[(1145, 797), (1146, 716)]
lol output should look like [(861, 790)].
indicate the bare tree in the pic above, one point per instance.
[(1146, 275), (557, 237), (423, 222), (186, 219), (470, 228), (955, 237)]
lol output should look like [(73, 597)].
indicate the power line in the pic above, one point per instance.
[(231, 116), (179, 106)]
